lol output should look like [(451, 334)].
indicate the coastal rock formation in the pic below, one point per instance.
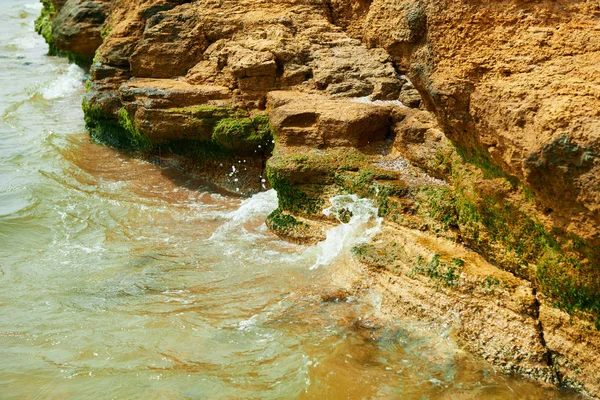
[(516, 80), (473, 126), (74, 28)]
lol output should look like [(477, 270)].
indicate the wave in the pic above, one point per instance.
[(66, 84), (363, 225)]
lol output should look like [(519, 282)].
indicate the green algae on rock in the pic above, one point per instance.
[(72, 29), (43, 24)]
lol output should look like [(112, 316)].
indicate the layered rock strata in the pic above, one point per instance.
[(488, 185)]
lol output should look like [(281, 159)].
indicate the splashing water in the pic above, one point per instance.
[(364, 223), (367, 100), (258, 206), (68, 82)]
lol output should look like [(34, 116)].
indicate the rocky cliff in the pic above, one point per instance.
[(473, 125)]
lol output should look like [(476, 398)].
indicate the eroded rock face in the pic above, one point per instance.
[(164, 62), (78, 26), (516, 80), (491, 142), (320, 122), (73, 28), (273, 46)]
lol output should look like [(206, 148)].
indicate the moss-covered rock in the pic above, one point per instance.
[(290, 228), (494, 215), (243, 135), (385, 255), (482, 207), (119, 132), (72, 29), (43, 24), (305, 179), (445, 273), (303, 201)]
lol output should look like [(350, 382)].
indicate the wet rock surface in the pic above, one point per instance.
[(77, 28)]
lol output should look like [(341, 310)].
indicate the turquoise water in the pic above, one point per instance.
[(124, 279)]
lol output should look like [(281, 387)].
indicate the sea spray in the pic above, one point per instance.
[(358, 217), (69, 82), (363, 224), (258, 206), (367, 100)]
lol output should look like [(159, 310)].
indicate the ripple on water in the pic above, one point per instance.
[(68, 82)]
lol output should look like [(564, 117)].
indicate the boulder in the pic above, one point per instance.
[(78, 25), (321, 122)]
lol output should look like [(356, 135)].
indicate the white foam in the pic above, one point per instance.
[(69, 82), (363, 225), (36, 6), (248, 323), (25, 42), (258, 206), (367, 100)]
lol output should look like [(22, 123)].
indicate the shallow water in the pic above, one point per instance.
[(123, 279)]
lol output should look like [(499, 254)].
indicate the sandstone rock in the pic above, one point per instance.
[(246, 63), (170, 46), (167, 93), (78, 25), (387, 90), (575, 346), (510, 79), (492, 319), (73, 28), (410, 98), (316, 121), (349, 15)]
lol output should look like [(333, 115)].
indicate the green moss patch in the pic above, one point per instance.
[(571, 284), (282, 221), (484, 206), (286, 225), (119, 133), (136, 140), (305, 181), (43, 24), (382, 256), (382, 186), (447, 274), (292, 198), (230, 130), (243, 134), (106, 30)]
